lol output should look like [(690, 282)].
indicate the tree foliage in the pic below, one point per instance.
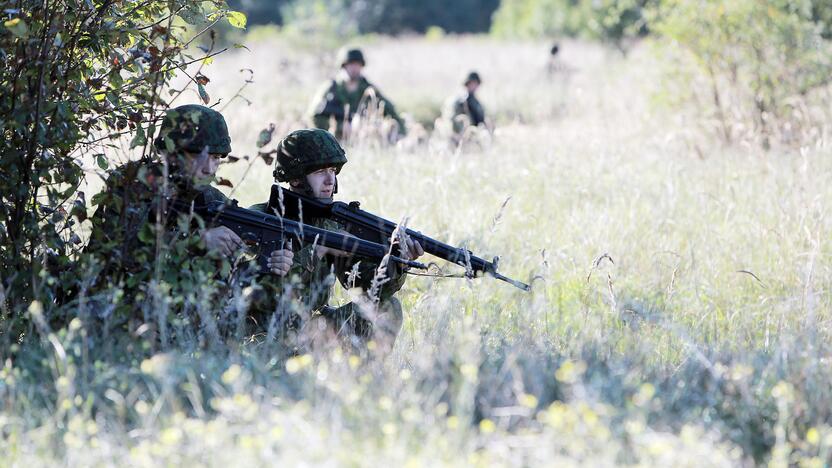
[(762, 59), (77, 74), (608, 20), (377, 16)]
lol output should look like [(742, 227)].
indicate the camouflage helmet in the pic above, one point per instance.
[(193, 128), (472, 76), (346, 56), (304, 151)]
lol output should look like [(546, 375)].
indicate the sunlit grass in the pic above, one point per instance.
[(680, 311)]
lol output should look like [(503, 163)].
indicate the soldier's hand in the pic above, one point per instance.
[(222, 240), (280, 261), (414, 249)]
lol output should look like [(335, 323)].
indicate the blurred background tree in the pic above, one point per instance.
[(613, 21), (763, 61), (376, 16)]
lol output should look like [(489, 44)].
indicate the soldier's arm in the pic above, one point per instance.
[(476, 111), (365, 274), (326, 104), (389, 109), (120, 219)]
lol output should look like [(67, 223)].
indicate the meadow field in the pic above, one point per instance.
[(680, 312)]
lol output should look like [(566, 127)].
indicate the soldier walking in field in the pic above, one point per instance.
[(345, 100), (309, 162)]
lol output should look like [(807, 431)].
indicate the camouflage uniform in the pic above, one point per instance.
[(336, 101), (464, 110), (307, 286), (123, 239), (122, 224)]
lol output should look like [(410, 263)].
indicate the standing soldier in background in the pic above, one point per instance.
[(464, 110), (350, 94), (296, 298)]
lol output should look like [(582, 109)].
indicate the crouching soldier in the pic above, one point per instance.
[(464, 110), (126, 242), (309, 162)]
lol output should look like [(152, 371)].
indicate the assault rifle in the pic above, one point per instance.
[(379, 230), (268, 233)]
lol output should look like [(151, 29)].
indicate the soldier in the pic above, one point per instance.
[(192, 139), (348, 95), (309, 162), (464, 110)]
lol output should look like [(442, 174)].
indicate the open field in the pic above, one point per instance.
[(680, 311)]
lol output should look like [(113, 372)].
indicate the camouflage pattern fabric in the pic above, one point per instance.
[(193, 128), (122, 234), (305, 151), (334, 100), (306, 289)]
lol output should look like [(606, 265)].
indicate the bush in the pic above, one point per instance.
[(77, 75), (764, 62), (614, 21)]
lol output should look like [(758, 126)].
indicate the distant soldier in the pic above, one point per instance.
[(192, 139), (554, 65), (309, 162), (464, 110), (349, 95)]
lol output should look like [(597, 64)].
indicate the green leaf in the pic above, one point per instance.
[(140, 139), (237, 19), (192, 15), (18, 27), (265, 136), (101, 160), (146, 234)]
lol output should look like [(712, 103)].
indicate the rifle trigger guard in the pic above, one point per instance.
[(249, 238)]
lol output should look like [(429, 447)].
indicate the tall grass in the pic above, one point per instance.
[(680, 311)]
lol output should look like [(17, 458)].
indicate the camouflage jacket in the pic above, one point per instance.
[(463, 110), (122, 236), (311, 278), (334, 100)]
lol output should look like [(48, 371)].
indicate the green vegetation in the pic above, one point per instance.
[(764, 64), (615, 21), (680, 312)]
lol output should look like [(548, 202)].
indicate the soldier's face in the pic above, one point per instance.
[(353, 69), (202, 167), (322, 182), (472, 86)]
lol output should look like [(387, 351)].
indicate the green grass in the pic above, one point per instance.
[(671, 353)]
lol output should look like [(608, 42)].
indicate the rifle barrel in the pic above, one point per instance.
[(294, 206)]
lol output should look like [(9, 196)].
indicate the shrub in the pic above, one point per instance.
[(763, 60), (77, 75)]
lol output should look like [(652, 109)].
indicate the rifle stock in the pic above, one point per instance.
[(379, 230)]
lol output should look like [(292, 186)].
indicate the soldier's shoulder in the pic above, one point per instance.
[(331, 85), (212, 194), (261, 207), (364, 84), (135, 173)]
